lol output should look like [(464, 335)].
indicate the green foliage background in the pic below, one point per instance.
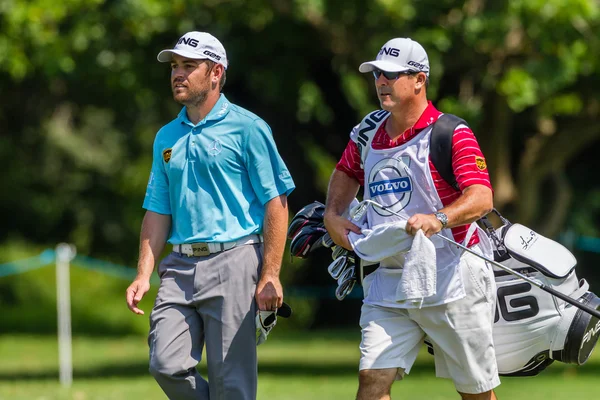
[(83, 96)]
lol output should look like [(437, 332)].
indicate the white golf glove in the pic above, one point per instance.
[(266, 321)]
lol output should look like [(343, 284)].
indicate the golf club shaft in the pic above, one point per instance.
[(534, 282)]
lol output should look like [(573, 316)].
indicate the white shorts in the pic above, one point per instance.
[(460, 332)]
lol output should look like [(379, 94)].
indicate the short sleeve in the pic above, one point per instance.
[(468, 161), (157, 191), (349, 163), (268, 173)]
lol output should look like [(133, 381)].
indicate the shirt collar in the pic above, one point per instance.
[(429, 116), (218, 112)]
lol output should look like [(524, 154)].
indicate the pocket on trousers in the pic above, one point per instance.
[(479, 277), (259, 251), (163, 266)]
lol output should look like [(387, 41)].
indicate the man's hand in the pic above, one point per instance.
[(426, 222), (135, 292), (339, 227), (269, 293)]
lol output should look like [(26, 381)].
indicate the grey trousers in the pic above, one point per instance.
[(206, 300)]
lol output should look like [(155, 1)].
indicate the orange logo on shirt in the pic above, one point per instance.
[(480, 162), (167, 155)]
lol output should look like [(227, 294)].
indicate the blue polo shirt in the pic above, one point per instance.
[(214, 178)]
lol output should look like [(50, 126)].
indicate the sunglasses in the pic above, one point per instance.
[(391, 76)]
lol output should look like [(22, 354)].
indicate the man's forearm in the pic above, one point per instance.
[(475, 202), (155, 229), (340, 193), (274, 232)]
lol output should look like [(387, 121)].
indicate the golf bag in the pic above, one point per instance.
[(532, 328)]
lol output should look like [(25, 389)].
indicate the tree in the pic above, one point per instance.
[(83, 97)]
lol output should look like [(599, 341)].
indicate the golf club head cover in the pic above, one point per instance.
[(266, 321), (307, 230), (310, 214), (308, 239)]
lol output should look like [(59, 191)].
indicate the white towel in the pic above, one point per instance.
[(383, 241), (418, 279)]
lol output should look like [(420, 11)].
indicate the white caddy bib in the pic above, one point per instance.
[(400, 179)]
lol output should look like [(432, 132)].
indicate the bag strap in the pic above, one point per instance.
[(440, 146)]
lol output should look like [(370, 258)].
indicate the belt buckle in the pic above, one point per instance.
[(200, 249)]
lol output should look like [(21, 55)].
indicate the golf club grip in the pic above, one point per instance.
[(571, 301)]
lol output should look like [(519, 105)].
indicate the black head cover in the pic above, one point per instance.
[(307, 229), (309, 238), (311, 214)]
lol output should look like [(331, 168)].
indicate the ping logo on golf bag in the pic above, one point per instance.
[(391, 51), (188, 41), (389, 183), (521, 307), (594, 330)]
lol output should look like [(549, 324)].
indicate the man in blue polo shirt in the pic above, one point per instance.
[(218, 193)]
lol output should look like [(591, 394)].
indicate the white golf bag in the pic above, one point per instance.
[(532, 328)]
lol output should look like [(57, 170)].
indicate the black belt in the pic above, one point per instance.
[(370, 269), (366, 270)]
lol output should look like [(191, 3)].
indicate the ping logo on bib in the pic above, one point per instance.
[(390, 184)]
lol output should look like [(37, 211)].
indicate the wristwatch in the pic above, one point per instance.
[(443, 218)]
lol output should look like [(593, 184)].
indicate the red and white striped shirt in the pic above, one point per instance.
[(468, 162)]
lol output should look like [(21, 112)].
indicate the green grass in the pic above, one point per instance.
[(318, 365)]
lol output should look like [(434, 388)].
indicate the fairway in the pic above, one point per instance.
[(314, 365)]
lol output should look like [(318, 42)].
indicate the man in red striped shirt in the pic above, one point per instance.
[(394, 166)]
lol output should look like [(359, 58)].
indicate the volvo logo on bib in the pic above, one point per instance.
[(389, 183), (400, 185)]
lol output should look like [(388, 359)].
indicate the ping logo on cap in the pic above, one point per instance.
[(391, 51), (189, 41)]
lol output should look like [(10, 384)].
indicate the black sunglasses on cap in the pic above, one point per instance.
[(391, 76)]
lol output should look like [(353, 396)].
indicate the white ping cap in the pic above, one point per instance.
[(198, 46), (399, 55)]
